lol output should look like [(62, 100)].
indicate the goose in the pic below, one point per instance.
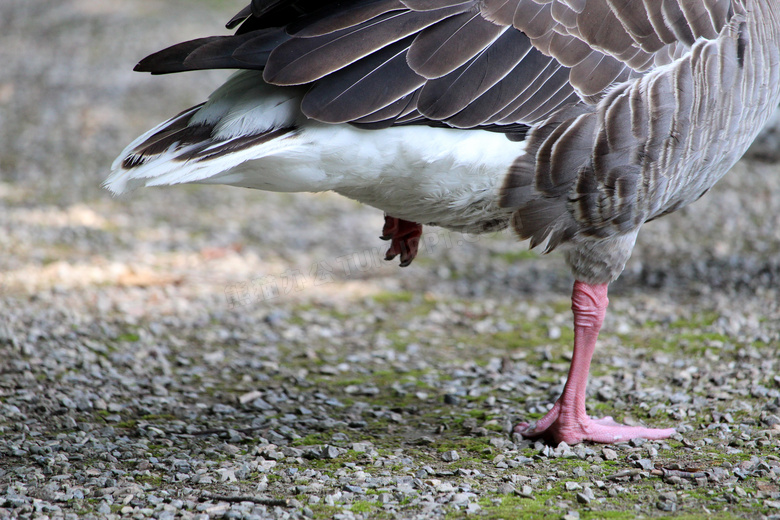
[(572, 121)]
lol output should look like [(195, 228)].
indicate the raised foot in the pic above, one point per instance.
[(556, 429), (404, 237)]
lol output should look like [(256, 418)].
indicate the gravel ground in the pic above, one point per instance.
[(208, 352)]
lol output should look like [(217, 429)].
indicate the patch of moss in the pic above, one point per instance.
[(159, 417), (520, 255), (312, 439), (699, 339), (362, 506), (387, 297), (324, 512), (705, 319), (477, 445), (154, 480), (511, 506), (532, 334)]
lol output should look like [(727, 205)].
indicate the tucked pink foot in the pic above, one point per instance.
[(404, 237), (567, 421)]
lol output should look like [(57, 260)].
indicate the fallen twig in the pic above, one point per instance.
[(663, 472)]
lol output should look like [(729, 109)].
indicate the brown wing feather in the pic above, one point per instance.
[(352, 15), (354, 92), (459, 65), (601, 173), (304, 60), (444, 47), (444, 97)]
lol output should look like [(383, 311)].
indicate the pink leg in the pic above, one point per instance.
[(405, 239), (567, 421)]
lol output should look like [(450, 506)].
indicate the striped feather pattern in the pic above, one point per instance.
[(630, 108), (652, 145), (472, 62)]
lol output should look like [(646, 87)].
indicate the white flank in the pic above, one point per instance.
[(428, 175)]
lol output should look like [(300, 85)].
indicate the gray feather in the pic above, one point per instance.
[(432, 5), (352, 15), (443, 97), (304, 60), (357, 90), (445, 46)]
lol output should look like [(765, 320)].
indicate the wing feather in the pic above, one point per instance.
[(432, 5), (384, 117), (356, 91), (470, 63), (541, 91), (444, 97), (355, 14), (444, 47), (509, 93), (304, 60)]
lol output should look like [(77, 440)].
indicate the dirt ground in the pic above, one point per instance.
[(211, 352)]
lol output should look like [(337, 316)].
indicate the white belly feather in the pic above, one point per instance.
[(428, 175)]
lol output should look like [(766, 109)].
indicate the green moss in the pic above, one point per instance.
[(705, 319), (324, 512), (154, 480), (412, 304), (530, 335), (516, 256), (716, 516), (511, 340), (362, 506), (297, 320), (156, 450), (701, 337), (387, 297), (651, 340), (312, 439), (535, 508), (159, 417), (476, 445), (515, 507), (598, 406), (386, 378)]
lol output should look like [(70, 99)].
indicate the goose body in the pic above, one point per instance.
[(574, 121), (447, 177)]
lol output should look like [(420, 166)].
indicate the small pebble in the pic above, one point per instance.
[(450, 456), (609, 454), (526, 492)]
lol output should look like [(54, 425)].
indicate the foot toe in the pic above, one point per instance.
[(604, 430)]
